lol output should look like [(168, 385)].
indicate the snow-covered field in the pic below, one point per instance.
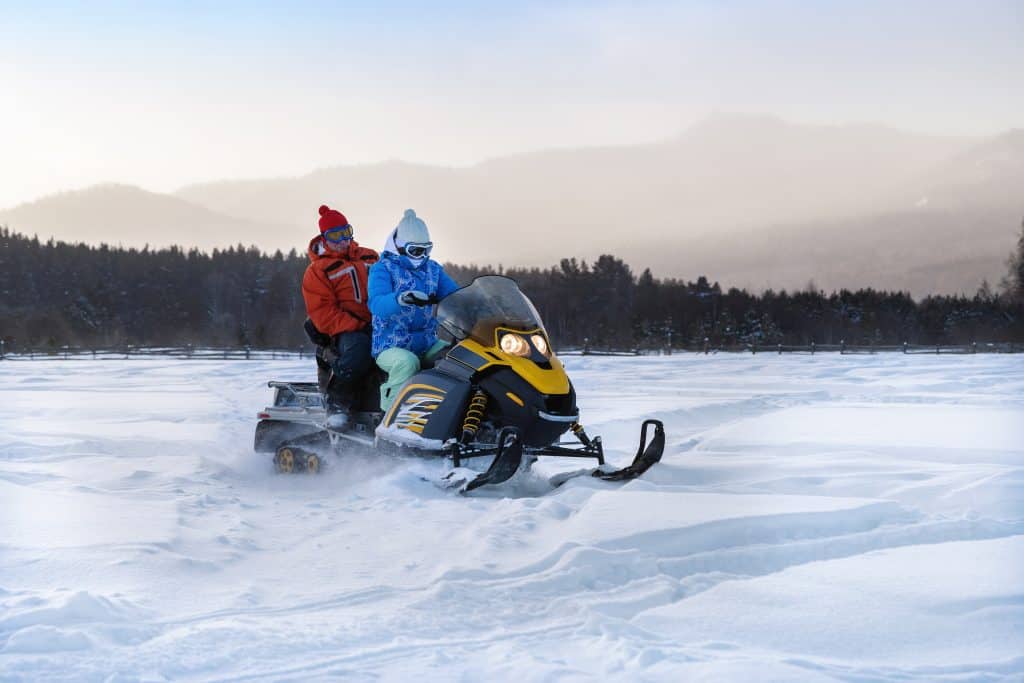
[(852, 518)]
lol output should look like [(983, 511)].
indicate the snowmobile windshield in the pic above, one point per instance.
[(489, 302)]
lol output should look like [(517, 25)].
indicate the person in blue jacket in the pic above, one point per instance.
[(402, 284)]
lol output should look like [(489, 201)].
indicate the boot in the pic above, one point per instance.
[(337, 421), (338, 405)]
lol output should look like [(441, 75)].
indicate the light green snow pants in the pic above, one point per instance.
[(401, 364)]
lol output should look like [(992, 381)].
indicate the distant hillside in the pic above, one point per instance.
[(728, 173), (762, 201), (372, 196), (123, 214), (988, 174), (922, 251)]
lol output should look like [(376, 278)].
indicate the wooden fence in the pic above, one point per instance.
[(142, 352), (244, 353), (812, 348)]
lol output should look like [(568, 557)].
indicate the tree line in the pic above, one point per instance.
[(54, 294)]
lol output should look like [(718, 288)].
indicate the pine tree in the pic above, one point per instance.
[(1013, 284)]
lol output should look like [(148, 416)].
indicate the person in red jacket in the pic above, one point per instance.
[(334, 289)]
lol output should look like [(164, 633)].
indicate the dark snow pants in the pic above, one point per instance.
[(344, 368)]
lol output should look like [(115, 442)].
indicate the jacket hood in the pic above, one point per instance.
[(390, 247)]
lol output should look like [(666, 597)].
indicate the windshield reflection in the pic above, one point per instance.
[(489, 302)]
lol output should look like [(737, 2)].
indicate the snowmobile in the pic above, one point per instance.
[(496, 391)]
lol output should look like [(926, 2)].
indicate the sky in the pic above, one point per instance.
[(162, 94)]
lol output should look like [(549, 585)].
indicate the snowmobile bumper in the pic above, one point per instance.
[(460, 452)]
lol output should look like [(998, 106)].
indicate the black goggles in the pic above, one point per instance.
[(417, 250)]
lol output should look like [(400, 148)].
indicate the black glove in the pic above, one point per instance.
[(414, 297)]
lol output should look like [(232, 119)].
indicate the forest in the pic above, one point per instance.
[(55, 294)]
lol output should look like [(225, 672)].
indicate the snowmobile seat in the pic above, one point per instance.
[(316, 336)]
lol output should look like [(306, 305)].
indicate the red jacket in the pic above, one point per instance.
[(334, 287)]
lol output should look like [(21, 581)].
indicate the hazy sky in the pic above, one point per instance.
[(160, 94)]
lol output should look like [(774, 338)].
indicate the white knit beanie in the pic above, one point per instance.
[(411, 229)]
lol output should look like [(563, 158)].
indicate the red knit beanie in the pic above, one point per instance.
[(329, 218)]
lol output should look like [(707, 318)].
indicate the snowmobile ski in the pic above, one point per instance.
[(646, 455), (506, 461)]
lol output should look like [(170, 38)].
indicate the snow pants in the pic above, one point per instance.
[(344, 370), (401, 364)]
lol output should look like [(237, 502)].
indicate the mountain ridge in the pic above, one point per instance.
[(711, 200)]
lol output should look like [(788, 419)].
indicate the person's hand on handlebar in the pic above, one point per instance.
[(415, 297)]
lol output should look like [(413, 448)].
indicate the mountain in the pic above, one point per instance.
[(748, 200), (371, 196), (945, 230), (923, 251), (130, 216), (728, 173), (990, 173), (752, 200)]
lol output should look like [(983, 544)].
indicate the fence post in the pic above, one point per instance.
[(904, 347), (812, 347), (842, 346), (2, 343), (753, 348), (974, 347), (586, 345), (247, 352), (707, 345), (780, 349)]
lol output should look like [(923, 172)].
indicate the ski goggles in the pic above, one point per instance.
[(339, 234), (418, 249)]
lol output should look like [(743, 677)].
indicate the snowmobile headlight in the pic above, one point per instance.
[(541, 345), (515, 344)]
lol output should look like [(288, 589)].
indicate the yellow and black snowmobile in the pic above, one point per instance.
[(497, 391)]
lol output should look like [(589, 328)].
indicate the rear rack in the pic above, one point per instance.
[(295, 402)]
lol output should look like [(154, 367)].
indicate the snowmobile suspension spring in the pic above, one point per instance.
[(474, 414), (580, 433)]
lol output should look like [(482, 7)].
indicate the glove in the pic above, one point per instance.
[(413, 297)]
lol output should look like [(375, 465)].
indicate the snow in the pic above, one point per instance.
[(854, 518), (404, 437)]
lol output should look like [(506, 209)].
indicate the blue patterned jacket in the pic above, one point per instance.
[(408, 327)]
